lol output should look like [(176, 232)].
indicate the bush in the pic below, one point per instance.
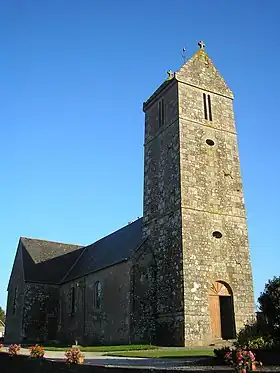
[(254, 335), (241, 360), (36, 352), (269, 302), (221, 352), (255, 343), (14, 349), (74, 356), (250, 332)]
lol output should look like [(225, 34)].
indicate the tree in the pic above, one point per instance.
[(269, 302), (2, 314)]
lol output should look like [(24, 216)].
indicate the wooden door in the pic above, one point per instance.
[(227, 317), (215, 315), (221, 311)]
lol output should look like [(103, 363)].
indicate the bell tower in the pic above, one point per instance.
[(194, 213)]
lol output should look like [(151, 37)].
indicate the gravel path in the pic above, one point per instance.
[(97, 358)]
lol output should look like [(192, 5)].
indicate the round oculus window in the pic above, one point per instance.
[(217, 234), (210, 142)]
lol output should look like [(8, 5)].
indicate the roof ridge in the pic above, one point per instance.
[(110, 234), (50, 241), (91, 244)]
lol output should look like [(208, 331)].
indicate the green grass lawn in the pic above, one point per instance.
[(145, 351), (54, 348), (166, 353), (103, 348)]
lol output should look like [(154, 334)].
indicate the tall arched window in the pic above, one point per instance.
[(15, 300), (97, 294)]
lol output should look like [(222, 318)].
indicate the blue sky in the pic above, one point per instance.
[(74, 75)]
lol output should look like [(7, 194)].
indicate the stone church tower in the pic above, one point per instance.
[(194, 216)]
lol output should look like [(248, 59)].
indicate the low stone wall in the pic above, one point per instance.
[(268, 357), (23, 364)]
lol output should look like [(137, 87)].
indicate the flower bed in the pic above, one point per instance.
[(241, 360)]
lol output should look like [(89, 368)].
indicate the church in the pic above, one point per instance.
[(180, 275)]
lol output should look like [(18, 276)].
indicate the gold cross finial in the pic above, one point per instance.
[(170, 75), (201, 44)]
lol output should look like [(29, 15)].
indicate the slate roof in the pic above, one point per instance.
[(112, 249), (47, 261), (54, 262)]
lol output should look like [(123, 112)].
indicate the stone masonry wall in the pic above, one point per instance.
[(143, 297), (212, 200), (40, 312), (13, 331), (71, 322), (107, 325), (162, 217)]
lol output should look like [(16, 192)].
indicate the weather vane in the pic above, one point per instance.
[(184, 54)]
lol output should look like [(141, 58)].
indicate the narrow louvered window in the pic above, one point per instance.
[(161, 112), (15, 300), (97, 295), (207, 107), (72, 300)]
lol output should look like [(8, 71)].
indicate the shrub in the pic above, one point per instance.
[(36, 351), (74, 356), (254, 335), (255, 343), (14, 349), (269, 302), (221, 352)]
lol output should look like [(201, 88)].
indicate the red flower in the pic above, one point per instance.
[(37, 351)]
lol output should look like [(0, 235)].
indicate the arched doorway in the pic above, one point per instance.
[(221, 311)]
